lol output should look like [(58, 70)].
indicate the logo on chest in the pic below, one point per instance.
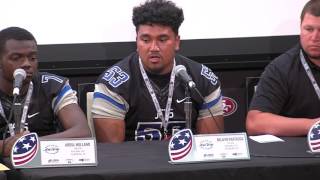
[(32, 115), (181, 100), (171, 115)]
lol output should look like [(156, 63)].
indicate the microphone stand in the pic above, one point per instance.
[(16, 107), (188, 107)]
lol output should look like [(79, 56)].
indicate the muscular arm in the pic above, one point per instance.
[(108, 112), (210, 118), (209, 125), (73, 121), (109, 130), (259, 122)]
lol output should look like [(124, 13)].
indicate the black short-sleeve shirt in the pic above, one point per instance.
[(285, 88)]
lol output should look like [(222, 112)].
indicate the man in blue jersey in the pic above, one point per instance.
[(52, 110), (140, 97)]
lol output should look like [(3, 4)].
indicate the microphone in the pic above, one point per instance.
[(19, 75), (181, 72)]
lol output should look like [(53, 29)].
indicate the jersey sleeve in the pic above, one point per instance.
[(108, 104), (213, 102), (64, 97), (209, 87)]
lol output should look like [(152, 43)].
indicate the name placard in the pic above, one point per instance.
[(31, 152), (184, 147), (221, 147), (78, 152)]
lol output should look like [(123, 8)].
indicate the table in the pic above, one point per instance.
[(149, 160), (3, 176)]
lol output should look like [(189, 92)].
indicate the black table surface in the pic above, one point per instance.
[(3, 176), (149, 160)]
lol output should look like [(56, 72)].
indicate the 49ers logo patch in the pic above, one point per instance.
[(230, 106)]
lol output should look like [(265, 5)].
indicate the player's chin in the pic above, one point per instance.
[(156, 69), (27, 80), (314, 55)]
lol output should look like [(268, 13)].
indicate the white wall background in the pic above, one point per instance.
[(91, 21)]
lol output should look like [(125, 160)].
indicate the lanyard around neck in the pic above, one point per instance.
[(309, 73), (2, 113), (26, 105), (25, 110), (165, 118)]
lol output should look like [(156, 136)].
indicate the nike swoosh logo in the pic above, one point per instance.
[(32, 115), (180, 100)]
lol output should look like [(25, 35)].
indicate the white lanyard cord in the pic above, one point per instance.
[(309, 73), (26, 105), (165, 118), (24, 112)]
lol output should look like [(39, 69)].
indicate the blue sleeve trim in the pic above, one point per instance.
[(211, 103), (64, 90), (109, 99)]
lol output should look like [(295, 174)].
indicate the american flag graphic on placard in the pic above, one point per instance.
[(314, 137), (25, 149), (180, 144)]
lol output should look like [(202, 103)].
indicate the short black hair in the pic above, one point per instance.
[(15, 33), (312, 7), (158, 12)]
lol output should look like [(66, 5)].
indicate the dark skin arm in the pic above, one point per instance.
[(210, 125), (73, 121), (109, 130)]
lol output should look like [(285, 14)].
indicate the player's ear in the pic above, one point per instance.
[(1, 60), (177, 43)]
